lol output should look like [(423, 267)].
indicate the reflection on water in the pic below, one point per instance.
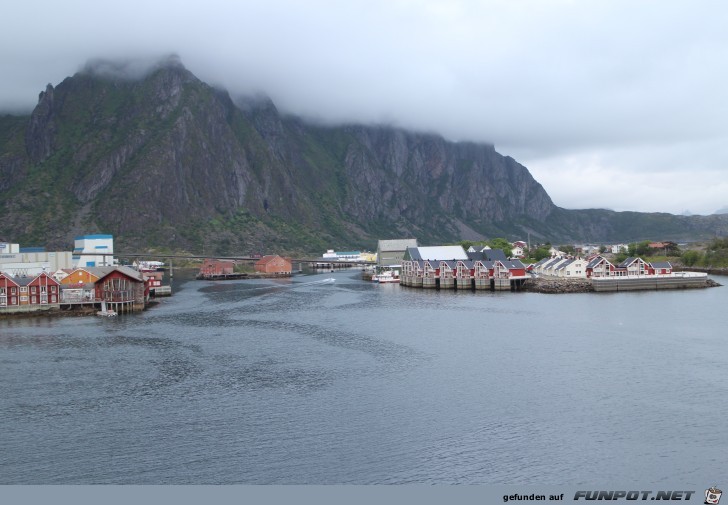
[(297, 381)]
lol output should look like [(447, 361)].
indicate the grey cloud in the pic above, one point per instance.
[(641, 85)]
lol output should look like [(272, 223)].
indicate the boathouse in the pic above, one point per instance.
[(123, 289), (274, 264), (212, 268)]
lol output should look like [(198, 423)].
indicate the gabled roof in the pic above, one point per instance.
[(128, 272), (542, 262), (661, 264), (10, 278), (476, 256), (450, 263), (564, 264), (516, 263), (26, 280), (495, 255), (595, 261), (396, 245), (628, 262), (552, 261)]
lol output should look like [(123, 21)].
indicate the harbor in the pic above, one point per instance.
[(239, 370)]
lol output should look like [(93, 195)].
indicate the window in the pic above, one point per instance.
[(33, 289), (24, 289)]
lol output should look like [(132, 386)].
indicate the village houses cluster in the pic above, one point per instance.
[(34, 279)]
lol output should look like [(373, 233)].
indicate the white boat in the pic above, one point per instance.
[(386, 277), (104, 312)]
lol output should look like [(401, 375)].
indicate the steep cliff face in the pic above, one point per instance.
[(166, 160)]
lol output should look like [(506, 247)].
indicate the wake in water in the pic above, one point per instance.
[(330, 280)]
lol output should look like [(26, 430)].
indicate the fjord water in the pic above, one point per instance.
[(298, 381)]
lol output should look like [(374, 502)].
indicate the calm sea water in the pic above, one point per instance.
[(301, 382)]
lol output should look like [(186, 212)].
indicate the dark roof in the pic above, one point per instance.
[(552, 261), (661, 264), (495, 255), (414, 253), (565, 264), (594, 262), (543, 261), (516, 263), (627, 262)]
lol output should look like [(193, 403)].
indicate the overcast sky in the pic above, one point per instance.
[(611, 104)]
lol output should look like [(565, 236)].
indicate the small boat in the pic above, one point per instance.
[(386, 277), (104, 312)]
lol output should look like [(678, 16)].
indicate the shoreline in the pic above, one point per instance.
[(57, 312)]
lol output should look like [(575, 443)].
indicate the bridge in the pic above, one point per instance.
[(137, 255)]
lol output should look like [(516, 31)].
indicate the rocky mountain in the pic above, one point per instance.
[(168, 161)]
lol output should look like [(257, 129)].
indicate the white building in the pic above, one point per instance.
[(574, 267), (332, 255), (6, 248), (94, 251), (30, 264)]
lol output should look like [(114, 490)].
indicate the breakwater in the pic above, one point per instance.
[(559, 285), (677, 280)]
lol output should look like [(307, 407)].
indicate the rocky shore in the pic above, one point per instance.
[(556, 285)]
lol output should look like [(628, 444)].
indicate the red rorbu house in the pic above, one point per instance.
[(153, 280), (9, 291), (430, 269), (483, 269), (659, 268), (122, 288), (274, 264), (214, 268), (464, 271), (515, 268), (38, 291)]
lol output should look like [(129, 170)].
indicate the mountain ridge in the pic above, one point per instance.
[(168, 161)]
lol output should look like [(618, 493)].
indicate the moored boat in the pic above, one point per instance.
[(387, 277)]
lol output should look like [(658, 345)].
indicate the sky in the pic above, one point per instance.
[(609, 103)]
